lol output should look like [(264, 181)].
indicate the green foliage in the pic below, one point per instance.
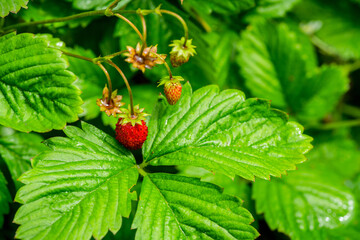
[(303, 203), (36, 91), (83, 184), (201, 154), (274, 65), (13, 6), (222, 132), (5, 198), (90, 81), (180, 208), (337, 26), (17, 149), (45, 10)]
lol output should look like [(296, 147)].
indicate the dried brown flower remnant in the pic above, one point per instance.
[(112, 106), (148, 58)]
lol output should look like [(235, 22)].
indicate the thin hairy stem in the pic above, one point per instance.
[(110, 56), (108, 100), (126, 83), (77, 56), (144, 45), (131, 25), (165, 64), (112, 5), (182, 21), (65, 19)]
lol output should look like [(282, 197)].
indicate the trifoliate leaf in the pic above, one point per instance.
[(81, 187), (13, 6), (222, 132), (17, 149), (339, 26), (177, 207), (5, 198), (305, 203), (274, 66), (36, 92)]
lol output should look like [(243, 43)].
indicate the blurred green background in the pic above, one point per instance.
[(303, 55)]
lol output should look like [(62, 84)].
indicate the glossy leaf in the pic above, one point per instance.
[(13, 6), (36, 91), (5, 198), (222, 132), (275, 67), (17, 149), (81, 187), (177, 207), (338, 26), (305, 203)]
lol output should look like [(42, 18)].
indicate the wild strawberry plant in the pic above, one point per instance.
[(91, 69)]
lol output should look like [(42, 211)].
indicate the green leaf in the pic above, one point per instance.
[(13, 6), (321, 93), (219, 6), (338, 24), (222, 132), (275, 66), (305, 203), (274, 8), (338, 153), (36, 92), (5, 198), (81, 187), (221, 49), (96, 4), (177, 207), (17, 149)]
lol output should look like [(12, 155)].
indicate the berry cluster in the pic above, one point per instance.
[(131, 130)]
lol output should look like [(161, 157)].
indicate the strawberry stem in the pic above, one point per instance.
[(143, 46), (141, 170), (182, 21), (166, 65), (108, 11), (76, 56), (132, 25), (109, 82), (127, 85)]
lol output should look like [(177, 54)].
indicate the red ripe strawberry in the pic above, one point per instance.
[(132, 137), (131, 130), (172, 88)]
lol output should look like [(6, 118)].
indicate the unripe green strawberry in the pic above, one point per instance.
[(172, 88), (181, 51), (131, 130)]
